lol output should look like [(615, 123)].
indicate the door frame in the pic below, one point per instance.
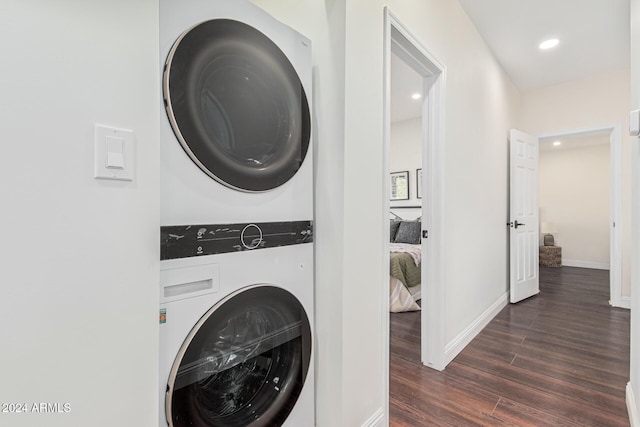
[(399, 38), (615, 204)]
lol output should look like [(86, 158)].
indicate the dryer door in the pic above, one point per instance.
[(243, 364), (236, 104)]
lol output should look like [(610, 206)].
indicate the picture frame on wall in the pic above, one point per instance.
[(399, 186), (419, 183)]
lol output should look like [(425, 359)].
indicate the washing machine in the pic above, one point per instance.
[(236, 312), (236, 128), (236, 346)]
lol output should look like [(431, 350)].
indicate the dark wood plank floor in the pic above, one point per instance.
[(560, 358)]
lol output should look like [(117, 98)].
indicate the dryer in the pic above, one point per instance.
[(236, 340), (236, 132), (236, 214)]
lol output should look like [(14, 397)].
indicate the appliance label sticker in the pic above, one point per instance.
[(163, 315)]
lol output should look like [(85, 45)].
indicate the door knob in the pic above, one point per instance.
[(516, 224)]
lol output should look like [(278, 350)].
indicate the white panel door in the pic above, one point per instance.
[(523, 211)]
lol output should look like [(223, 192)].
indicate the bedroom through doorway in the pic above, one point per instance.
[(412, 202), (405, 163)]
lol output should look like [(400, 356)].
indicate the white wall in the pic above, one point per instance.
[(406, 154), (574, 190), (634, 401), (79, 256), (601, 100), (635, 53), (481, 105)]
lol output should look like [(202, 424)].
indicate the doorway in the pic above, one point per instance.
[(553, 218), (400, 42)]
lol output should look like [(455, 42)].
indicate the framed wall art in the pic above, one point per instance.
[(400, 185)]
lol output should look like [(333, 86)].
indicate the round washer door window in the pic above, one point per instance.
[(243, 364), (237, 106)]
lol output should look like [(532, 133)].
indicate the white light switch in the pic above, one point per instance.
[(115, 154), (114, 149)]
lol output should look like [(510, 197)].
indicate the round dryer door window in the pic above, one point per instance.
[(236, 105), (243, 364)]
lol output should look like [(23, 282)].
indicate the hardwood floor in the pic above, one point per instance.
[(560, 358)]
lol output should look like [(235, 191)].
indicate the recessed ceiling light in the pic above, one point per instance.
[(416, 96), (548, 44), (557, 143)]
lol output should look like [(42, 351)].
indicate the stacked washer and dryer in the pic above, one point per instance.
[(236, 279)]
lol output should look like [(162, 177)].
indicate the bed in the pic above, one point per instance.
[(405, 266)]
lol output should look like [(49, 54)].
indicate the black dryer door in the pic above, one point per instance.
[(236, 105), (243, 364)]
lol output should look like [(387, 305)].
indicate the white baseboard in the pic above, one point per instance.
[(622, 302), (375, 420), (585, 264), (455, 346), (631, 407)]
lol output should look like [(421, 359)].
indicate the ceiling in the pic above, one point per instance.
[(594, 38), (405, 81)]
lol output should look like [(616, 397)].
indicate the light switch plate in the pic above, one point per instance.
[(104, 153)]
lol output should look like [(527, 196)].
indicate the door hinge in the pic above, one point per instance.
[(425, 234)]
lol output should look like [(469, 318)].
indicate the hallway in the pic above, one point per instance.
[(560, 358)]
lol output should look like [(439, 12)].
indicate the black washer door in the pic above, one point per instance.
[(237, 106), (243, 364)]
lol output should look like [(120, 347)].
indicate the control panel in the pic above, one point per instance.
[(183, 241)]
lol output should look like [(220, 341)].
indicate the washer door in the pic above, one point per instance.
[(243, 364), (236, 104)]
